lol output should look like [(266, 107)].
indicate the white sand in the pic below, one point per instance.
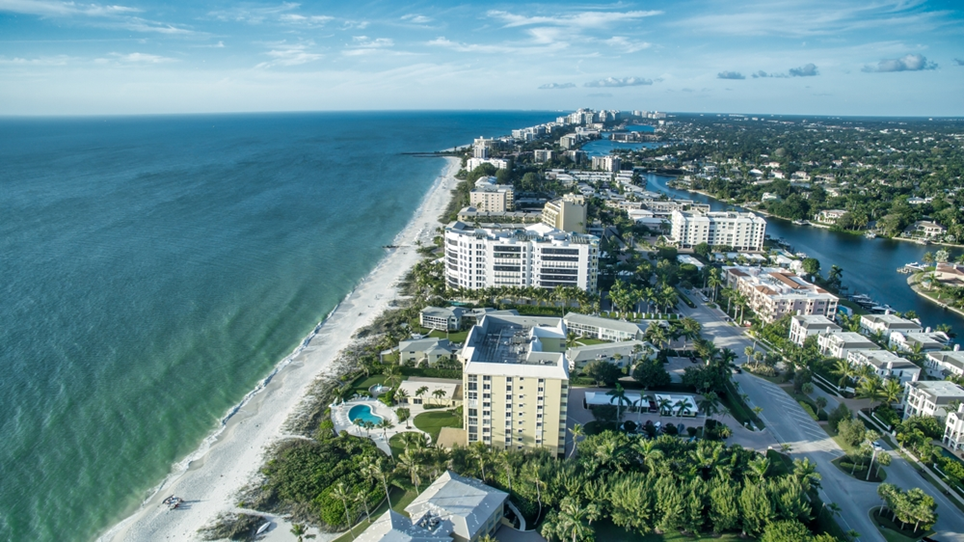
[(231, 458)]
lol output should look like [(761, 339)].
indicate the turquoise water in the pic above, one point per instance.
[(154, 269), (363, 413)]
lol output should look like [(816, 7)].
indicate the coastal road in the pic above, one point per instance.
[(788, 423)]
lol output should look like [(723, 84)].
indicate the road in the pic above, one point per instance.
[(789, 424)]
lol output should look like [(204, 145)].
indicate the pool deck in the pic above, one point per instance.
[(339, 416)]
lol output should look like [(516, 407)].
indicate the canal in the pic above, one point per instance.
[(869, 265)]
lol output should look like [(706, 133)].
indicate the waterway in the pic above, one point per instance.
[(869, 265)]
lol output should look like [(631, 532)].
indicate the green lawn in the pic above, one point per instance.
[(453, 336), (587, 341), (737, 408), (605, 530), (893, 532), (361, 385), (396, 445), (861, 473), (433, 422), (400, 499)]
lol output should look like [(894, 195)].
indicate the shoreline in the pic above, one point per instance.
[(915, 286), (231, 456)]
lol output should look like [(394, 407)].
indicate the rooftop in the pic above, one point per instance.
[(597, 321), (891, 321), (466, 502), (815, 321), (520, 345), (939, 388), (539, 233)]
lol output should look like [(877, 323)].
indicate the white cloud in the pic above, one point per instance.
[(627, 45), (59, 60), (730, 75), (416, 19), (619, 82), (907, 63), (583, 19), (133, 59), (556, 86), (807, 70), (290, 55), (304, 20), (109, 16), (254, 14)]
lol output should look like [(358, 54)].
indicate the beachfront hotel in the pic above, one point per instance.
[(742, 231), (538, 255), (490, 197), (516, 381), (772, 292)]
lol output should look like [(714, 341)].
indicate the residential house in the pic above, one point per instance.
[(886, 364), (772, 292), (944, 364), (886, 324), (805, 325), (622, 354), (930, 398), (606, 329), (925, 229), (839, 345), (954, 429), (829, 216), (917, 342), (427, 351), (441, 318)]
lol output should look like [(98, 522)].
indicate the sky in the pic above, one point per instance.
[(810, 57)]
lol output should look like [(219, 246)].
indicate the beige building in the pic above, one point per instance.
[(421, 352), (516, 381), (567, 213), (772, 292), (495, 198), (606, 163)]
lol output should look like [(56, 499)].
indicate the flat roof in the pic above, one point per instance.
[(939, 388)]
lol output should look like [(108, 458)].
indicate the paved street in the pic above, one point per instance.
[(788, 423)]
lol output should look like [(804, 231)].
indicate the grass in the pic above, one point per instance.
[(400, 499), (454, 336), (606, 530), (586, 341), (893, 531), (362, 384), (879, 475), (433, 422), (396, 445)]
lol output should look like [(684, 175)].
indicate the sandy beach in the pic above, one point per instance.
[(227, 460)]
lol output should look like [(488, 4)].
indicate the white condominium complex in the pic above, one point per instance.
[(567, 213), (538, 256), (606, 163), (742, 231), (773, 292), (516, 381)]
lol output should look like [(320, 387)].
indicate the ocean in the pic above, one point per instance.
[(155, 268)]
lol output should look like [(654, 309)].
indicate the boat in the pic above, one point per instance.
[(801, 222), (922, 241), (870, 235)]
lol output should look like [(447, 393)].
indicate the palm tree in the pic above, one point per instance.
[(438, 394), (665, 405), (844, 370), (682, 407), (759, 466), (379, 470), (691, 329), (300, 531), (385, 425), (410, 462), (749, 351), (340, 493), (892, 390), (480, 452), (577, 432), (362, 497), (618, 395), (871, 387), (714, 281), (422, 390), (505, 461), (709, 404)]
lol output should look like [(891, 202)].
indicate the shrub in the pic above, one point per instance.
[(838, 414), (809, 410), (232, 527)]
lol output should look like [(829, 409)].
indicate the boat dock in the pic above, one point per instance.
[(909, 268)]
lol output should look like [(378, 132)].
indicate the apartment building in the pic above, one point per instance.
[(538, 256), (541, 155), (606, 329), (773, 292), (886, 364), (499, 163), (944, 364), (805, 325), (490, 197), (441, 318), (567, 213), (918, 342), (516, 381), (427, 351), (886, 324), (742, 231), (606, 163), (840, 344), (930, 398)]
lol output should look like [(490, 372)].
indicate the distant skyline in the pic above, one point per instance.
[(811, 57)]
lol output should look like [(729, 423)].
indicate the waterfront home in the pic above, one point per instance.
[(918, 342), (954, 429), (605, 329), (427, 351), (453, 509), (886, 364), (944, 364), (773, 292), (805, 325), (930, 398), (840, 344), (441, 318), (885, 324), (925, 229), (949, 274), (829, 216)]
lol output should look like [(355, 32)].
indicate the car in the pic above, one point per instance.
[(876, 445)]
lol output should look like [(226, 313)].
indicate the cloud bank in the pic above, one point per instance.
[(730, 75), (808, 70), (612, 82), (907, 63)]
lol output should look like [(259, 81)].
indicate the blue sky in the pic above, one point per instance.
[(833, 57)]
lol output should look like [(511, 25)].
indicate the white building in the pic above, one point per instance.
[(538, 256), (742, 231), (840, 344), (805, 325), (886, 324), (499, 163), (944, 364), (441, 318), (605, 329), (954, 429), (930, 398), (427, 351), (622, 354), (917, 342), (492, 198), (772, 292), (886, 364), (542, 155), (606, 163)]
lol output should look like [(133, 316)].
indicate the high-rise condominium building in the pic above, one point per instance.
[(742, 231)]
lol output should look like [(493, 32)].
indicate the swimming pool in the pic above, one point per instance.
[(364, 413)]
